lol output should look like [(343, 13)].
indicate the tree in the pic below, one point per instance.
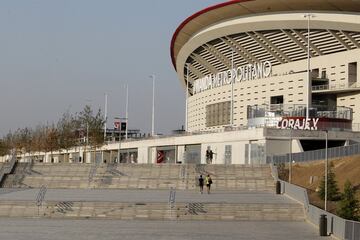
[(332, 188), (4, 148), (67, 127), (38, 142), (348, 207), (93, 124), (51, 140), (63, 135)]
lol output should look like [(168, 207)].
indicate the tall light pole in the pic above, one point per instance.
[(106, 102), (187, 97), (290, 157), (326, 168), (118, 155), (153, 107), (309, 97), (127, 110)]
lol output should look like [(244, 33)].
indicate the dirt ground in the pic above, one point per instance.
[(309, 175)]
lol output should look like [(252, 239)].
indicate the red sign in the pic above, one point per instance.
[(117, 125), (160, 156)]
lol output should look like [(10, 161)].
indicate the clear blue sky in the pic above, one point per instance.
[(60, 55)]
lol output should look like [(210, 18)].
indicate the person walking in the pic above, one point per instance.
[(208, 182), (201, 184)]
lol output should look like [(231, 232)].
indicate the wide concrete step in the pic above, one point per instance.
[(140, 176), (154, 211), (134, 183)]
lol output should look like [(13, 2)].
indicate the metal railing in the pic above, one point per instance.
[(337, 226), (333, 153), (40, 198), (171, 202), (183, 173), (352, 230), (335, 87), (297, 110), (93, 169)]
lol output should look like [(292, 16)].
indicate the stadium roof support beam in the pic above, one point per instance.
[(295, 40), (356, 43), (276, 49), (313, 47), (242, 52), (195, 71), (257, 38), (204, 62), (217, 54), (337, 37), (283, 55)]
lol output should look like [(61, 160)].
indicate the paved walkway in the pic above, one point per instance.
[(115, 195), (41, 229)]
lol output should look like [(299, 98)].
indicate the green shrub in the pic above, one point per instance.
[(333, 193), (348, 207)]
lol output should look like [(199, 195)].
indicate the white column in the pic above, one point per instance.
[(180, 153)]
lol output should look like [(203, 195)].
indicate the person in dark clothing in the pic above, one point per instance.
[(209, 156), (201, 184)]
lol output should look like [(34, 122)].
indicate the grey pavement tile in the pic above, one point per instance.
[(41, 229)]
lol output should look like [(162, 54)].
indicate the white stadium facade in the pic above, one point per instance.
[(244, 54), (261, 78)]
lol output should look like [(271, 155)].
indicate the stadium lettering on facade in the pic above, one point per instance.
[(301, 124), (239, 74)]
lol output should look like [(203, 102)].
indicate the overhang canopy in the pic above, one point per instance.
[(236, 8)]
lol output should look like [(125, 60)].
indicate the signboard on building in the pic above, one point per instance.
[(117, 125), (235, 75), (298, 123)]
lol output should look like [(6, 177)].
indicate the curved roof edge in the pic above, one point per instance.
[(186, 21), (255, 6)]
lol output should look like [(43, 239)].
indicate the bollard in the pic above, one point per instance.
[(323, 225), (278, 187)]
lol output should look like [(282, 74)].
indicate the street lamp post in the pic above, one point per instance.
[(153, 107), (326, 168), (119, 148), (127, 110), (106, 102), (87, 140), (309, 84), (290, 157), (187, 97)]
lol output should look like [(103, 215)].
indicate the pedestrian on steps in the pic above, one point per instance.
[(208, 182), (201, 184)]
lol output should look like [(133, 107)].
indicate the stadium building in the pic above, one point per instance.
[(281, 63), (262, 78)]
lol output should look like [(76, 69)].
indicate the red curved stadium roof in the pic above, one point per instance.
[(234, 8)]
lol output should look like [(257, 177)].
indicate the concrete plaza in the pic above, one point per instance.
[(41, 229), (147, 196)]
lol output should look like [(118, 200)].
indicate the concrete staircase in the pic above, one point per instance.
[(239, 177), (241, 192), (154, 211), (140, 176)]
